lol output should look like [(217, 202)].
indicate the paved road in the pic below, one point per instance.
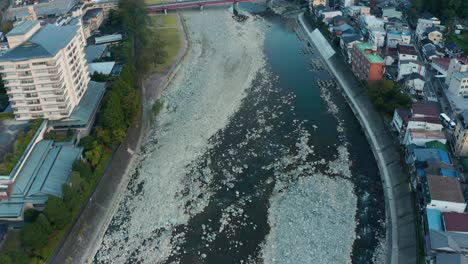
[(401, 232), (83, 238)]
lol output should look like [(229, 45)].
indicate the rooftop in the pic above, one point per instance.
[(93, 52), (22, 28), (373, 58), (92, 13), (46, 42), (407, 49), (44, 8), (425, 109), (434, 219), (43, 175), (443, 258), (426, 134), (444, 189), (425, 154), (456, 222), (84, 111), (442, 62), (447, 240)]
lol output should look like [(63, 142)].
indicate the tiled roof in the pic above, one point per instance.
[(426, 134), (443, 62), (456, 222), (444, 189), (425, 109), (407, 49), (46, 42)]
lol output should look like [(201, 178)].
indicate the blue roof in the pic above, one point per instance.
[(43, 175), (46, 42), (434, 219), (420, 173), (425, 154), (84, 111), (93, 52), (22, 28), (449, 173)]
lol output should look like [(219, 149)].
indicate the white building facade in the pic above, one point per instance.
[(46, 75)]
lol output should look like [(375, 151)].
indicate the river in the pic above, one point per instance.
[(250, 161)]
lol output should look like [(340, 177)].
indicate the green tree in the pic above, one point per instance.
[(88, 142), (14, 257), (118, 135), (83, 168), (386, 97), (33, 236), (131, 106), (57, 212), (44, 222), (94, 155), (30, 215), (112, 114), (103, 135)]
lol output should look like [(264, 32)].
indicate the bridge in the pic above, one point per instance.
[(196, 3)]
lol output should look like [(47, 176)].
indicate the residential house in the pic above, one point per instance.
[(395, 38), (415, 82), (441, 65), (339, 20), (347, 43), (319, 2), (460, 135), (453, 50), (456, 65), (424, 23), (431, 52), (92, 20), (407, 52), (459, 84), (440, 242), (407, 67), (354, 11), (390, 55), (330, 14), (420, 137), (366, 63), (426, 112), (389, 12), (455, 222), (377, 37), (344, 30), (370, 21), (443, 193), (45, 72), (434, 34)]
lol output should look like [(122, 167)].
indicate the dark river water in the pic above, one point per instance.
[(288, 104)]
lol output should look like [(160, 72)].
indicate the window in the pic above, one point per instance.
[(39, 63), (22, 66), (27, 81)]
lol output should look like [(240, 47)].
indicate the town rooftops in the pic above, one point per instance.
[(442, 62), (43, 8), (426, 134), (351, 38), (447, 240), (366, 49), (43, 175), (432, 29), (455, 222), (434, 219), (425, 109), (425, 154), (407, 49), (22, 28), (93, 52), (388, 51), (46, 42), (444, 189)]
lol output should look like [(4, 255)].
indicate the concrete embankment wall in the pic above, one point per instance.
[(401, 233)]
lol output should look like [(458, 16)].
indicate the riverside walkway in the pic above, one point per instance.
[(401, 232), (192, 3)]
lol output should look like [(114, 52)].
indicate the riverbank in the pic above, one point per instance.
[(198, 104), (92, 222), (401, 234)]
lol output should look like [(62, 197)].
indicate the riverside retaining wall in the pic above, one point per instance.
[(401, 232)]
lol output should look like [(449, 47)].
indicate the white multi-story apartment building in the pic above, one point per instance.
[(377, 37), (456, 65), (45, 71), (459, 84)]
